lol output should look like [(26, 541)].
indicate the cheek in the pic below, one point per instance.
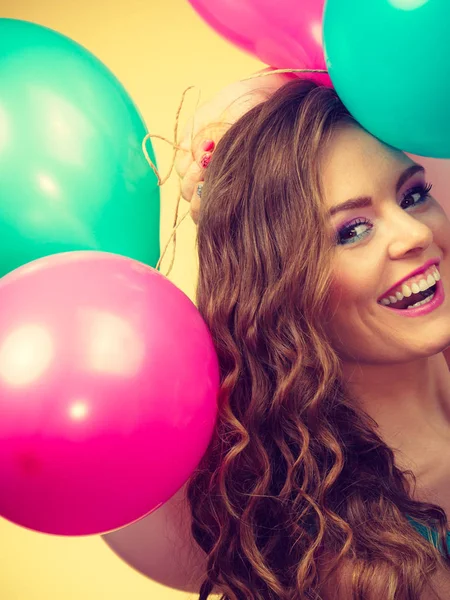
[(440, 224), (437, 215), (350, 289), (350, 308), (338, 294)]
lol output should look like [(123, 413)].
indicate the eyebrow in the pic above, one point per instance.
[(365, 201)]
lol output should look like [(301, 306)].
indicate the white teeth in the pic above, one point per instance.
[(406, 290), (415, 288), (425, 301)]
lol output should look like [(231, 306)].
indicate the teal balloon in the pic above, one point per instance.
[(73, 175), (389, 61)]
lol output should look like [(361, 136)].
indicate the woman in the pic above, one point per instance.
[(326, 466)]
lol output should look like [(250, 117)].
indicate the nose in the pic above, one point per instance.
[(409, 236)]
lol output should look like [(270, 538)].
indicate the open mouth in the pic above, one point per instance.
[(415, 299), (421, 288)]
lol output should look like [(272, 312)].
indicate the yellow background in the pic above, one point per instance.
[(156, 48)]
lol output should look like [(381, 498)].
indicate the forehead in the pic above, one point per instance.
[(354, 163)]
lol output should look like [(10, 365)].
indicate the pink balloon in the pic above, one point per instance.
[(108, 392), (282, 33)]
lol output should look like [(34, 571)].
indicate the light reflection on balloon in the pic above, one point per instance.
[(64, 130), (407, 4), (25, 355), (5, 129), (317, 32), (112, 344), (78, 410), (48, 185)]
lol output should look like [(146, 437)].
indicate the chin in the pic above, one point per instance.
[(441, 344)]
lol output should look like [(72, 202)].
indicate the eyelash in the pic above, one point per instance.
[(423, 190)]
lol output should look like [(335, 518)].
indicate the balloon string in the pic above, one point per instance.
[(279, 71), (176, 147)]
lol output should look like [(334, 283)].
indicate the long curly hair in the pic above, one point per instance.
[(296, 487)]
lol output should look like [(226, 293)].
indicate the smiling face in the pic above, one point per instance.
[(396, 229)]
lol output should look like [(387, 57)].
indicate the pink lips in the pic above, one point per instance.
[(423, 309), (424, 267)]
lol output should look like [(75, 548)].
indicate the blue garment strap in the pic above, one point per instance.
[(429, 534)]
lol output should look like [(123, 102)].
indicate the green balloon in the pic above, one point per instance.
[(389, 61), (72, 172)]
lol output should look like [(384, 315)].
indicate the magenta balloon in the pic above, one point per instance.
[(108, 392), (282, 33)]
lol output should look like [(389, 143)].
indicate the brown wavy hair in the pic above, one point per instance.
[(296, 486)]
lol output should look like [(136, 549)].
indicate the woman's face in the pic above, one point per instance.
[(395, 228)]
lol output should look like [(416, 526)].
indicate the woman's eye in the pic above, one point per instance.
[(353, 231), (417, 195)]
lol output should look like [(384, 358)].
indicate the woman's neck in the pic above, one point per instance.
[(410, 402)]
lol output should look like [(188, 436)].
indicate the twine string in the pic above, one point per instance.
[(279, 71), (176, 147)]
